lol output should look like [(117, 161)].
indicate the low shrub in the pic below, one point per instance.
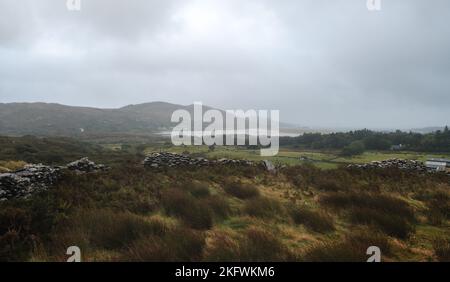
[(441, 249), (315, 221), (438, 202), (351, 249), (11, 165), (219, 205), (14, 234), (264, 207), (261, 245), (194, 213), (241, 191), (113, 230), (329, 185), (383, 203), (178, 245), (390, 224), (222, 246), (392, 215), (200, 190)]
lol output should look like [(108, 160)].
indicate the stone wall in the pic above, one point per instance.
[(37, 177), (165, 159), (409, 165)]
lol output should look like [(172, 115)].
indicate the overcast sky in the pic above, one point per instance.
[(328, 63)]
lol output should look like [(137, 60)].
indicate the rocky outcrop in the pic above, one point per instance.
[(269, 166), (84, 165), (37, 177), (409, 165), (165, 159)]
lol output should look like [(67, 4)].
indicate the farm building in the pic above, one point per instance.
[(438, 164), (398, 147)]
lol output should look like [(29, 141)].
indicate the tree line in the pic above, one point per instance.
[(355, 142)]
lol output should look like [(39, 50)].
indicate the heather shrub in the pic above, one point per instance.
[(261, 245), (200, 190), (219, 206), (113, 230), (7, 166), (380, 202), (352, 248), (441, 247), (438, 203), (194, 213), (329, 185), (14, 230), (241, 191), (177, 245), (264, 207), (393, 215), (390, 224), (313, 220), (222, 246)]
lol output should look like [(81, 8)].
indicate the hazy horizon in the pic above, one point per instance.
[(322, 64)]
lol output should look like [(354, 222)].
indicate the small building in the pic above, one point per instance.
[(438, 164), (398, 147)]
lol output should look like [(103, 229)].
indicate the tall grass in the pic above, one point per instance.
[(194, 213), (264, 207), (241, 191), (261, 245), (352, 248), (392, 215), (441, 248), (177, 245), (317, 221), (390, 224)]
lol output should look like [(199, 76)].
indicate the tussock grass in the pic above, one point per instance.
[(352, 248), (177, 245), (264, 207), (194, 213), (241, 191), (390, 224), (394, 216), (441, 248), (114, 230), (313, 220), (200, 190), (6, 166), (261, 245)]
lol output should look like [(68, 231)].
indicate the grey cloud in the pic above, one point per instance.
[(321, 63)]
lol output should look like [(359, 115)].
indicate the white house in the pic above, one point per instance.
[(438, 164)]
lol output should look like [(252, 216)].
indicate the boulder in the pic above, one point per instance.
[(268, 165)]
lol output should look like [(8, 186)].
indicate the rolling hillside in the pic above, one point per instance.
[(61, 120)]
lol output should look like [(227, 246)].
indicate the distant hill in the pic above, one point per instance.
[(42, 119), (430, 129)]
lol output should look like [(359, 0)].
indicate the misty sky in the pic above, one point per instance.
[(321, 63)]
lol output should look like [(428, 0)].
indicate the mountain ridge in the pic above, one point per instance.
[(53, 119)]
